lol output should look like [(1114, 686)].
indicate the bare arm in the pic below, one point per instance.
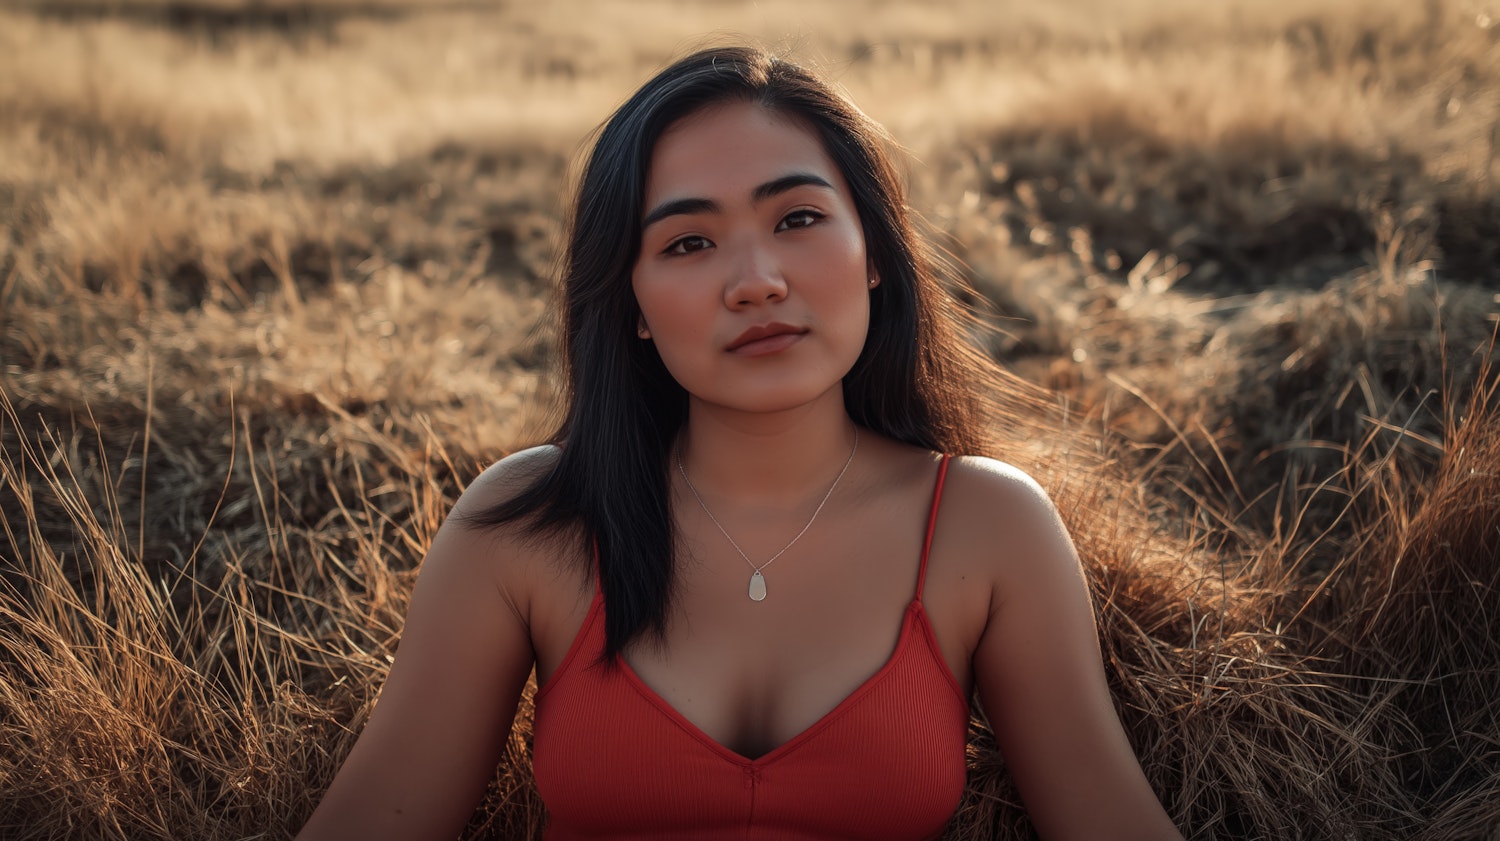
[(420, 766), (1041, 679)]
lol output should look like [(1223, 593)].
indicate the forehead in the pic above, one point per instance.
[(724, 151)]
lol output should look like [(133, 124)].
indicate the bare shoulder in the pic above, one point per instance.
[(1003, 522), (471, 553), (506, 555), (505, 479), (991, 476), (989, 496)]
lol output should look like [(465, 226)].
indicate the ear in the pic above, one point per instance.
[(870, 272), (640, 327)]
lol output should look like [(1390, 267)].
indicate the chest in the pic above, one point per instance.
[(612, 756), (752, 675), (880, 577)]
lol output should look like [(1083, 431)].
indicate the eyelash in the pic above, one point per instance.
[(674, 248), (814, 217)]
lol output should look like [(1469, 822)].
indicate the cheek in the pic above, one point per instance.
[(853, 259), (664, 310), (650, 297), (679, 324), (847, 274)]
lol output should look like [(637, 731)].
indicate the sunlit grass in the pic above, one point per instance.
[(270, 294)]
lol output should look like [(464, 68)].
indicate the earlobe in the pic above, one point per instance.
[(874, 281), (640, 329)]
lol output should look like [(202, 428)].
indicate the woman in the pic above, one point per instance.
[(762, 369)]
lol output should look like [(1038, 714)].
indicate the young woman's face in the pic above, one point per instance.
[(752, 279)]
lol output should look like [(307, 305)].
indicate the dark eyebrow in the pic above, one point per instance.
[(683, 207), (679, 207), (785, 183)]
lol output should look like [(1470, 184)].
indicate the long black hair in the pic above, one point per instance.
[(610, 485)]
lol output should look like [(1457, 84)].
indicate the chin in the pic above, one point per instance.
[(780, 398)]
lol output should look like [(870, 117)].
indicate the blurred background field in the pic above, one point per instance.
[(270, 289)]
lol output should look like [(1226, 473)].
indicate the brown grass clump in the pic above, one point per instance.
[(1267, 703), (268, 298), (1416, 628), (142, 701)]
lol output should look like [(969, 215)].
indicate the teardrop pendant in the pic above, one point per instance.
[(757, 587)]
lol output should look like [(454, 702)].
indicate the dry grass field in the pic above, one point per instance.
[(271, 282)]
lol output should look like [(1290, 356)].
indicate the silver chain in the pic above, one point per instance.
[(704, 506)]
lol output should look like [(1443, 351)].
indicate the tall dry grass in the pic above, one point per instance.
[(267, 302)]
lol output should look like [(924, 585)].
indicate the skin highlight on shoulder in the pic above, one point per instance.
[(1007, 495), (1005, 525), (506, 478)]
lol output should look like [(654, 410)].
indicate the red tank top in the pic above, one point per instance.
[(613, 760)]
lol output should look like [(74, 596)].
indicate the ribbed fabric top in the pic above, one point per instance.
[(612, 759)]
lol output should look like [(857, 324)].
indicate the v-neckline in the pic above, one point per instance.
[(913, 609), (806, 733)]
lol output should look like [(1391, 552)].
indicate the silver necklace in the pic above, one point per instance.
[(758, 581)]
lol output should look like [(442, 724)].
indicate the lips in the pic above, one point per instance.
[(761, 333)]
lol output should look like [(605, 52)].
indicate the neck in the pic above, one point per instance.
[(774, 459)]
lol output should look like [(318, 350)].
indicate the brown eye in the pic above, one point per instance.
[(687, 245), (799, 219)]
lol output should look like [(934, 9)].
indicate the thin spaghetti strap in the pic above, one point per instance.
[(937, 497), (598, 573)]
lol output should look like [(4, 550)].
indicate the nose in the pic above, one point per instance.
[(756, 278)]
